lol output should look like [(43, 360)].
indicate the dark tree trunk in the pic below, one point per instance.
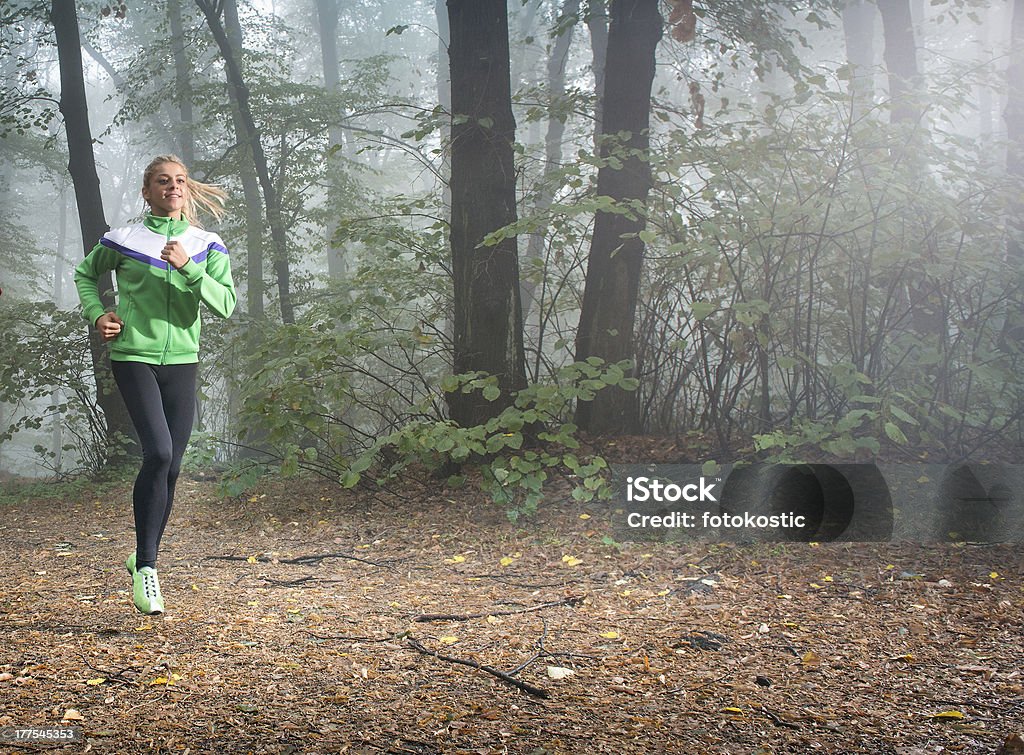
[(901, 60), (614, 265), (82, 166), (254, 225), (182, 83), (212, 10), (487, 315)]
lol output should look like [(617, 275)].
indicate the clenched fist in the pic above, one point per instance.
[(173, 253), (109, 326)]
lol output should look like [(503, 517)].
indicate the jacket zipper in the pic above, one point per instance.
[(167, 318)]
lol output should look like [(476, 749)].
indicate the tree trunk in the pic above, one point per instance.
[(597, 24), (1013, 330), (614, 265), (327, 20), (487, 315), (254, 225), (212, 11), (182, 83), (82, 167), (444, 93), (859, 32), (901, 60), (552, 145), (1014, 118)]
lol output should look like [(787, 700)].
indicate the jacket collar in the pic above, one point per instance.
[(165, 226)]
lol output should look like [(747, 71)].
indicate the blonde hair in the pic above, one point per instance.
[(206, 197)]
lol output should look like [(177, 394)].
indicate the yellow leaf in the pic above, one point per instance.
[(784, 596), (584, 516), (506, 561), (993, 575), (251, 559), (448, 640), (455, 560), (253, 603), (954, 714), (662, 593), (610, 635), (195, 587), (810, 659), (161, 680), (254, 498), (95, 682), (294, 610), (816, 586), (571, 560), (493, 620), (828, 578), (144, 628), (732, 710)]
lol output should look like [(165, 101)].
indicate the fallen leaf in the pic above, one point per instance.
[(557, 672), (571, 560), (610, 635), (810, 659), (72, 715), (448, 640), (95, 682), (948, 714)]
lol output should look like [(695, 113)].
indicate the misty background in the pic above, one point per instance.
[(829, 238)]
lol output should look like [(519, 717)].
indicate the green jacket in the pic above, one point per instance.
[(158, 304)]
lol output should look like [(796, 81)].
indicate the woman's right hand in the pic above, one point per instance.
[(109, 326)]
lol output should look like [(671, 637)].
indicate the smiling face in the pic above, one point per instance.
[(166, 190)]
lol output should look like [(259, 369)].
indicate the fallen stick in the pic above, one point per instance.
[(571, 601), (301, 560), (525, 687)]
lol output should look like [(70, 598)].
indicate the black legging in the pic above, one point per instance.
[(161, 402)]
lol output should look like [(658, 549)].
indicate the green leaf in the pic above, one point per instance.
[(701, 309), (895, 434), (491, 392)]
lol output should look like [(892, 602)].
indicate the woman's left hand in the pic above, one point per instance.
[(173, 254)]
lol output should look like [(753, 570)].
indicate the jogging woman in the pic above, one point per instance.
[(165, 267)]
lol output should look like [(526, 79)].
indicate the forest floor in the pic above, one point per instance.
[(299, 620)]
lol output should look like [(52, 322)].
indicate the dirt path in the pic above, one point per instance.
[(292, 627)]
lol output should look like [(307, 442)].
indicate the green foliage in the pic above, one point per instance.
[(46, 375), (517, 451), (817, 289)]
